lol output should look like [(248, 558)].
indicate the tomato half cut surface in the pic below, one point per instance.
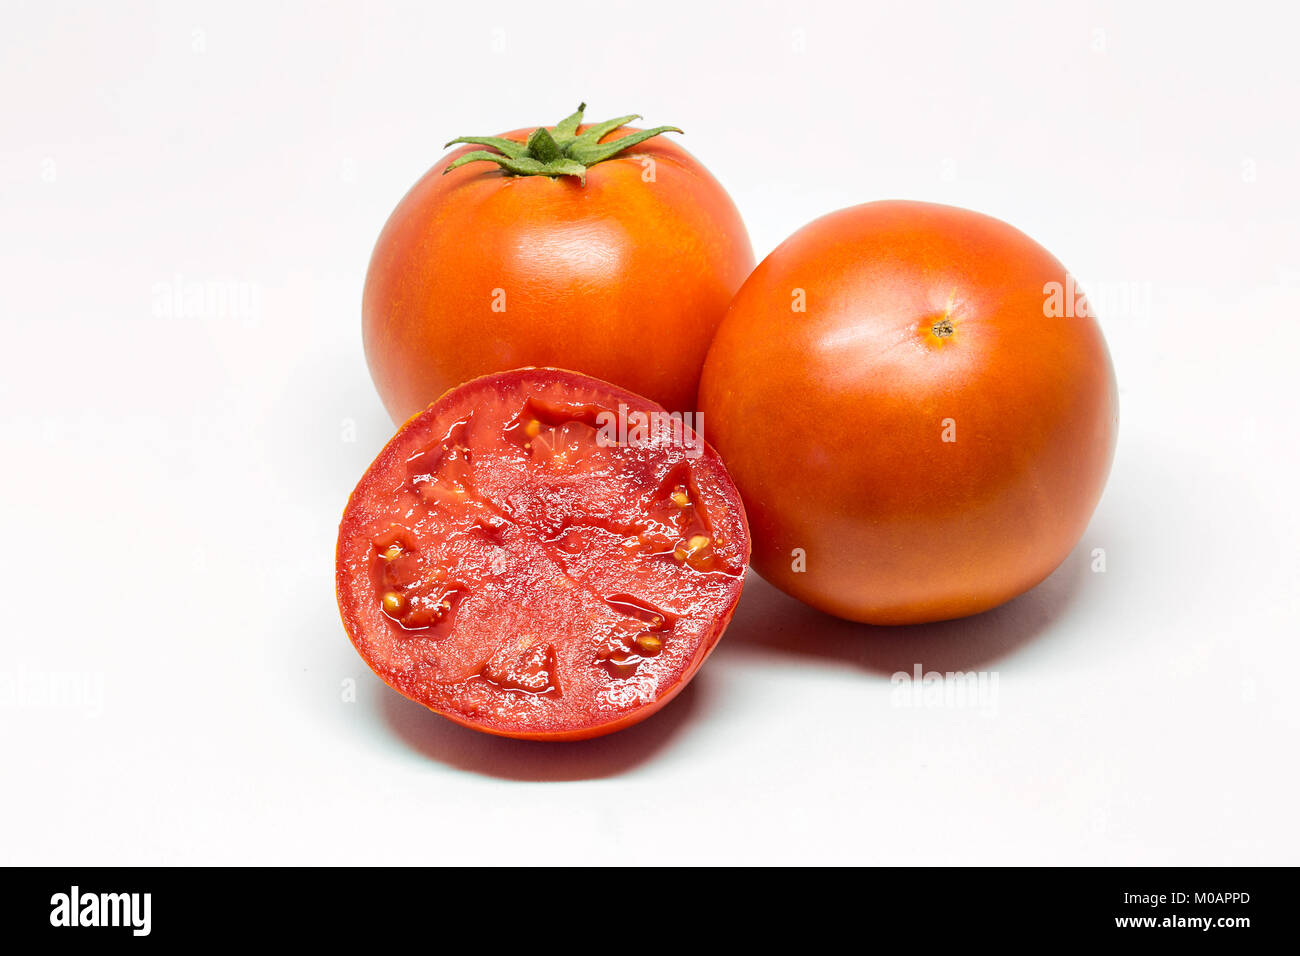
[(540, 554)]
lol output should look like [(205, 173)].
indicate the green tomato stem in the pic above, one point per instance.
[(559, 151)]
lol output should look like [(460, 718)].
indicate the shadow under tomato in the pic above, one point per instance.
[(768, 619), (531, 760)]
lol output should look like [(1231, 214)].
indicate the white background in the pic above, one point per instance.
[(173, 478)]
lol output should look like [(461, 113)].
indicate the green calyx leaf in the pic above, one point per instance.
[(559, 151)]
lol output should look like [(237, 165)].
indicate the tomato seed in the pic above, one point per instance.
[(649, 644)]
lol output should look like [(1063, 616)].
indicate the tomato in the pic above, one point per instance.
[(540, 554), (621, 269), (917, 432)]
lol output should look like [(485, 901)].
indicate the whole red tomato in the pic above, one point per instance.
[(559, 247), (918, 410)]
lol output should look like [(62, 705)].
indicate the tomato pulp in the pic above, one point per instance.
[(919, 412), (540, 554)]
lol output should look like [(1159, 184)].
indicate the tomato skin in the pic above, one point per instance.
[(832, 421), (402, 660), (622, 279)]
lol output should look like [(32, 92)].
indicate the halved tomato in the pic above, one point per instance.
[(540, 554)]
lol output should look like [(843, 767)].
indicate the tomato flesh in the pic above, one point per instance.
[(541, 554)]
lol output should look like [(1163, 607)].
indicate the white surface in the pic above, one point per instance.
[(172, 484)]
